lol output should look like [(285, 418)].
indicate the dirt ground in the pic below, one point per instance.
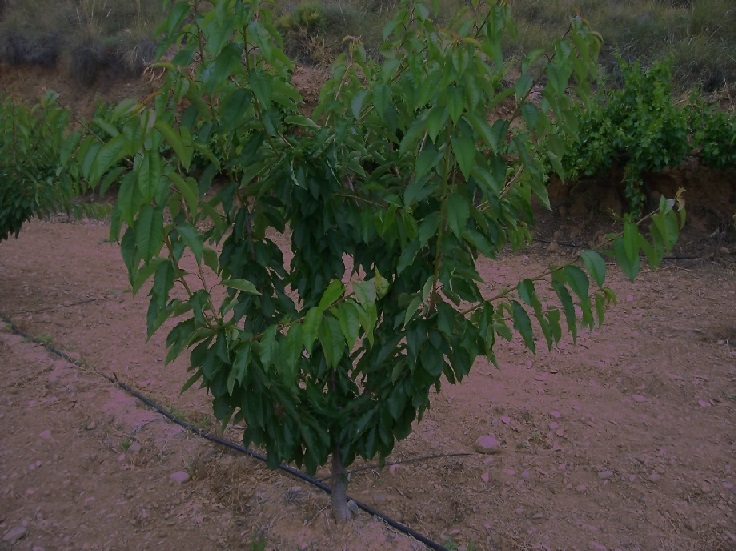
[(626, 441)]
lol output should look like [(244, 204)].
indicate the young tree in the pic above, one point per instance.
[(403, 177)]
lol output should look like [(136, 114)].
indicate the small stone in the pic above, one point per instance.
[(353, 506), (581, 488), (639, 398), (135, 447), (725, 250), (487, 444), (555, 414), (629, 298), (655, 476), (45, 435), (538, 516), (485, 477), (703, 403), (179, 477), (690, 524), (505, 419), (554, 426), (541, 377), (595, 546), (14, 535), (35, 465), (605, 475), (509, 472)]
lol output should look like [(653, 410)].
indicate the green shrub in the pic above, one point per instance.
[(36, 178), (714, 135), (637, 126)]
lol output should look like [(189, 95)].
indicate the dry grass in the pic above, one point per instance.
[(87, 36)]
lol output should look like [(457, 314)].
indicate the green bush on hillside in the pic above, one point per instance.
[(36, 178), (640, 127)]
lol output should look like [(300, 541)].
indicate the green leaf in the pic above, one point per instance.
[(183, 152), (192, 239), (523, 324), (464, 149), (188, 189), (578, 281), (267, 346), (631, 241), (365, 292), (630, 268), (149, 171), (600, 307), (310, 330), (332, 341), (568, 307), (333, 292), (210, 259), (149, 232), (107, 157), (426, 160), (288, 353), (595, 265), (356, 103), (241, 285), (412, 309), (239, 368), (458, 214), (349, 319), (127, 200), (455, 103), (259, 82)]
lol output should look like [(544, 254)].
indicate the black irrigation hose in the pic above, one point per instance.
[(226, 443), (404, 462), (574, 246)]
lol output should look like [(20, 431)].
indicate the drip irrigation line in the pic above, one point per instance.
[(576, 246), (47, 308), (404, 462), (226, 443)]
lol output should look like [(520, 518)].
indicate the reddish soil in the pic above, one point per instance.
[(626, 441)]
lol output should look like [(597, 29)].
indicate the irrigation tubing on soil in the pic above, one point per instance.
[(222, 442)]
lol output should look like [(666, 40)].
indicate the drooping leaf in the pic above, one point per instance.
[(241, 285)]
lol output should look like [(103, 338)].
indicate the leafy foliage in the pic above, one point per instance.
[(637, 126), (640, 127), (388, 195), (38, 168)]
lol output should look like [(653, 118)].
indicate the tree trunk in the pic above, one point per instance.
[(339, 483)]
